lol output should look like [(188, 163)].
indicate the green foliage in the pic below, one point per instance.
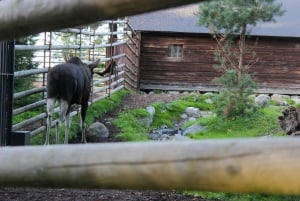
[(242, 197), (261, 123), (26, 115), (290, 102), (230, 16), (233, 99), (229, 20)]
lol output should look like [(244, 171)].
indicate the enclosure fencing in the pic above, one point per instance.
[(6, 85), (106, 40)]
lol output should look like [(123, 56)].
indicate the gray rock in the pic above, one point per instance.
[(174, 92), (209, 101), (262, 100), (279, 99), (206, 113), (147, 121), (97, 129), (193, 129), (209, 94), (183, 116), (179, 137), (192, 119), (296, 99), (193, 112), (154, 136), (151, 111), (164, 137)]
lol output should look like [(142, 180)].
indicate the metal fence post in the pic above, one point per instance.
[(6, 95)]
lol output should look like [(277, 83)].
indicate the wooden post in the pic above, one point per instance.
[(261, 165), (26, 17)]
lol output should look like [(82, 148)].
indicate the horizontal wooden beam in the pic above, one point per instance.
[(261, 165), (21, 18)]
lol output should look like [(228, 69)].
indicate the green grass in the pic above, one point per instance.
[(242, 197), (262, 123), (132, 129), (165, 114), (96, 110), (25, 115)]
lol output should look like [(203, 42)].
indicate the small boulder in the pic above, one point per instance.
[(209, 101), (178, 137), (193, 112), (193, 129), (183, 116), (279, 99), (262, 100), (151, 111), (290, 121), (296, 99), (97, 129), (147, 121)]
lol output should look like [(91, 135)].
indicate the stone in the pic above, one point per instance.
[(296, 99), (97, 129), (174, 92), (262, 100), (209, 94), (147, 121), (277, 98), (193, 129), (183, 116), (209, 101), (178, 137), (192, 119), (151, 111), (290, 121), (206, 113), (192, 112)]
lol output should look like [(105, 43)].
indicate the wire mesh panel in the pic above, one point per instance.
[(104, 41), (6, 85)]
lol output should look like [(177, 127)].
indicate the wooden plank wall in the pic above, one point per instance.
[(195, 65), (132, 51), (279, 61), (277, 66)]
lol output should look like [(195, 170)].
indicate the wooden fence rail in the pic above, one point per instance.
[(26, 17), (240, 165)]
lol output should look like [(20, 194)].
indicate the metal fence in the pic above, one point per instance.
[(6, 84), (105, 41)]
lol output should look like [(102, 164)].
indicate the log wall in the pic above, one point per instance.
[(276, 70)]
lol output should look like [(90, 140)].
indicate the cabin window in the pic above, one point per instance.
[(175, 50)]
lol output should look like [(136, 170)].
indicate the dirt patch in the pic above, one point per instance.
[(130, 102), (36, 194)]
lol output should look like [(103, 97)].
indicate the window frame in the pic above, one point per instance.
[(175, 51)]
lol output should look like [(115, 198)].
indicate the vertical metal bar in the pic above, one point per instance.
[(6, 95)]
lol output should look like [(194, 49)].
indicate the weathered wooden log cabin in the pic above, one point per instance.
[(176, 54)]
